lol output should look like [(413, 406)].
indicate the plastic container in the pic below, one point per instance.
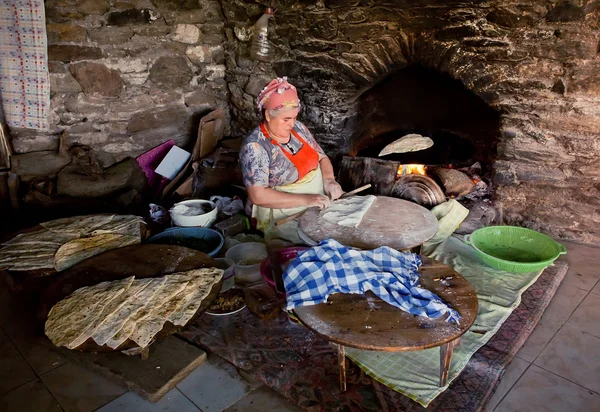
[(260, 48), (515, 249), (180, 213), (247, 258), (228, 278), (202, 239)]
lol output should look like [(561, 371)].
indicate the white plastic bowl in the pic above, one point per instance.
[(254, 251), (201, 220), (227, 266)]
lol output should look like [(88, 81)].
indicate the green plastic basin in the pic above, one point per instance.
[(514, 249)]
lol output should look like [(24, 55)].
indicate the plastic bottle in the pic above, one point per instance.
[(260, 49)]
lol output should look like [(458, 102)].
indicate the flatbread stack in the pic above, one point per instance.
[(110, 313), (62, 243)]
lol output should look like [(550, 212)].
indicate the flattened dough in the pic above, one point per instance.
[(409, 143), (349, 212)]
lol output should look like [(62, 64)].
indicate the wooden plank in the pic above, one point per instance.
[(169, 362)]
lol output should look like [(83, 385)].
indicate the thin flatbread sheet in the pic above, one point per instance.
[(77, 224), (410, 143), (134, 305), (98, 320), (71, 315), (40, 237), (350, 211), (209, 278), (174, 284), (79, 250), (146, 329)]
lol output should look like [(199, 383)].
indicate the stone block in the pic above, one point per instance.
[(97, 78), (256, 84), (566, 11), (39, 163), (199, 54), (193, 16), (158, 28), (124, 175), (199, 99), (177, 4), (56, 67), (69, 53), (129, 17), (213, 72), (93, 6), (63, 83), (520, 15), (156, 118), (27, 140), (111, 35), (58, 33), (186, 33), (171, 71)]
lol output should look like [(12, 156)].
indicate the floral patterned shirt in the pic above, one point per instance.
[(264, 164)]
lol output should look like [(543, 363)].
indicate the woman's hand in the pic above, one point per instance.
[(332, 189), (319, 201)]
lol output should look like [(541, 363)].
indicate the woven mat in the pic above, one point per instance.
[(303, 367)]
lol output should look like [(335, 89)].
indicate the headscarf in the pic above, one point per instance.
[(278, 94)]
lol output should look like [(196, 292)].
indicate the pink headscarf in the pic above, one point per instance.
[(278, 94)]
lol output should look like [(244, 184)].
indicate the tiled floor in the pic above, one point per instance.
[(556, 370)]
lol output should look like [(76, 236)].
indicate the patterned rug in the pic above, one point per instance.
[(303, 367)]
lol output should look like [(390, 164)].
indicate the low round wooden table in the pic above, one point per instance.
[(367, 322), (392, 222)]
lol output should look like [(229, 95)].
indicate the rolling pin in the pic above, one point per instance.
[(297, 215)]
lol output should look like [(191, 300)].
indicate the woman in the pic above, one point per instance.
[(284, 168)]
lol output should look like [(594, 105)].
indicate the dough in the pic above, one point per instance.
[(349, 212), (408, 143)]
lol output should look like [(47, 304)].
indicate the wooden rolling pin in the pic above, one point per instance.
[(297, 215)]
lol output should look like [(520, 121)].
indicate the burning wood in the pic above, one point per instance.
[(412, 169)]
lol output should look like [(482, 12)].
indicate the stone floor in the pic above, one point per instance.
[(556, 370)]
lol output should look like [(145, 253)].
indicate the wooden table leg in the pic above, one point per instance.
[(445, 359), (342, 362)]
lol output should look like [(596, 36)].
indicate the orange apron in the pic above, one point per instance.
[(307, 158), (310, 181)]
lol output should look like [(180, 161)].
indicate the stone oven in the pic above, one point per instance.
[(512, 87), (519, 82)]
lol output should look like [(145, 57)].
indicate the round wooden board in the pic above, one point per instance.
[(141, 261), (367, 322), (392, 222)]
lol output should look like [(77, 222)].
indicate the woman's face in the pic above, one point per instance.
[(282, 124)]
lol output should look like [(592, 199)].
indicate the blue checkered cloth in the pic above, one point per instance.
[(332, 268)]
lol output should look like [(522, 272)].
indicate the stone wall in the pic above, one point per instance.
[(536, 62), (127, 76)]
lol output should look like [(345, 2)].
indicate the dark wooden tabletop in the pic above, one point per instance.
[(392, 222), (367, 322)]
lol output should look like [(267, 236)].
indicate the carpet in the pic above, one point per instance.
[(303, 367)]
